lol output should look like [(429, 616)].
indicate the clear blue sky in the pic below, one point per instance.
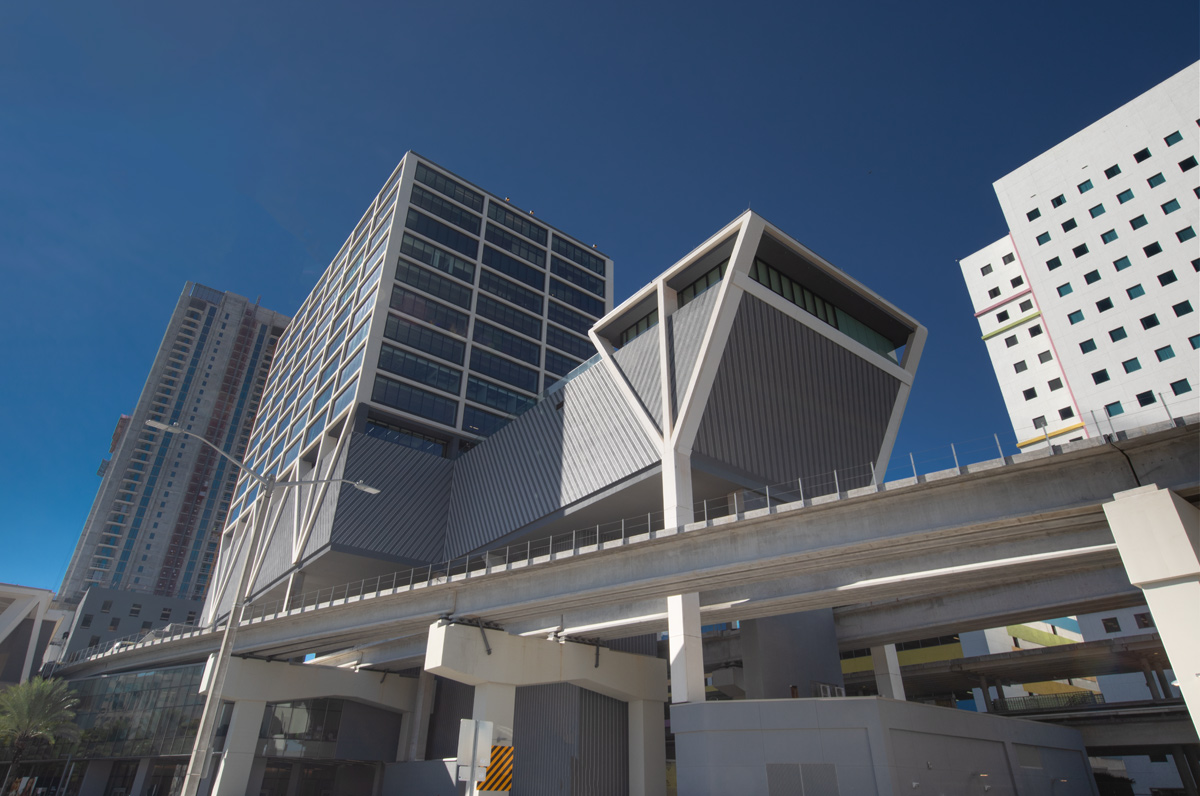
[(234, 144)]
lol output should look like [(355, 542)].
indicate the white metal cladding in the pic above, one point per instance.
[(579, 440), (278, 540), (686, 328), (788, 402), (638, 360), (407, 519)]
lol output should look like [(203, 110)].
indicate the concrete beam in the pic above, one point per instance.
[(282, 682)]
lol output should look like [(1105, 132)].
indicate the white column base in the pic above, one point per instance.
[(687, 648)]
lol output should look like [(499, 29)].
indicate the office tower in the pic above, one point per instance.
[(1088, 306), (155, 524)]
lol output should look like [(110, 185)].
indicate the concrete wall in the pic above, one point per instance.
[(870, 747)]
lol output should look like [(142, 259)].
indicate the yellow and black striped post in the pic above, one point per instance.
[(500, 772)]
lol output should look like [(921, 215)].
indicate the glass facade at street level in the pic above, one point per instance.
[(446, 313)]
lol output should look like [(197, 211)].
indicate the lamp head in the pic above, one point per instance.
[(160, 426), (362, 487)]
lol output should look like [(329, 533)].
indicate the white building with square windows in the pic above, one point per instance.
[(1088, 306)]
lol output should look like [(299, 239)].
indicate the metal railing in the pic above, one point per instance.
[(1073, 699)]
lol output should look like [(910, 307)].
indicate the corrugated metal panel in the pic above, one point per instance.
[(820, 779), (645, 644), (783, 779), (279, 546), (452, 702), (686, 329), (788, 402), (579, 440), (639, 362), (603, 767), (323, 528), (546, 737), (407, 519)]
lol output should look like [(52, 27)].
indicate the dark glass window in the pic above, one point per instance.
[(433, 284), (448, 187), (576, 298), (477, 421), (1085, 186), (1138, 222), (569, 343), (1181, 386), (987, 269), (1100, 376), (994, 292), (1182, 308), (510, 266), (1170, 207), (1010, 341), (1058, 201), (1066, 413), (1053, 263), (514, 245), (1054, 384), (1125, 196), (440, 233), (1109, 237), (499, 368), (1131, 365), (1121, 264), (577, 255), (1020, 367), (510, 291), (1008, 258), (558, 364), (419, 369), (1146, 398), (1112, 171), (516, 223), (1187, 164), (569, 318), (1104, 304), (713, 275), (1096, 211), (1045, 357), (1091, 277), (1156, 180), (1150, 321), (503, 314), (1118, 334), (434, 257), (1173, 139), (1187, 233), (1033, 214), (507, 343), (413, 400), (1137, 291), (1080, 250), (576, 276), (497, 397), (447, 211), (1075, 317), (1087, 346), (1043, 239), (428, 310), (1141, 155), (1152, 249), (1030, 394), (422, 339), (1069, 225)]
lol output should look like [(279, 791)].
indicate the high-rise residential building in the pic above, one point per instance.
[(155, 524), (1088, 307)]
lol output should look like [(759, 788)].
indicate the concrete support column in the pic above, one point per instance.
[(143, 771), (1001, 703), (95, 777), (1158, 535), (887, 672), (233, 774), (1164, 682), (647, 749), (987, 695), (416, 735), (496, 702), (687, 648), (1185, 772), (678, 508)]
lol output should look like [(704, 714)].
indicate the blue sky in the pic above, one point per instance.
[(143, 145)]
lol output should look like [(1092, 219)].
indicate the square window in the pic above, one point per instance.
[(1182, 308), (1058, 201), (1054, 384), (1121, 263), (1020, 367), (1113, 409), (1150, 321), (1196, 265), (1104, 304), (1075, 317), (1112, 171), (1069, 225), (1045, 357), (1010, 341), (1080, 250), (1039, 422), (1043, 239), (1180, 387), (1035, 330), (1029, 394), (1026, 305), (1053, 263), (1066, 413), (1111, 625), (1087, 346), (1033, 214), (1097, 211), (1117, 334), (1152, 249), (1156, 180), (1084, 186), (1167, 277), (1137, 223), (1171, 206), (1164, 353), (1187, 233), (1137, 291), (1002, 316), (1008, 258), (1194, 340), (1109, 237), (106, 606), (1188, 165), (1146, 398), (1017, 281), (1124, 196), (1100, 376), (135, 609), (1064, 290), (987, 269), (1141, 155), (1131, 365), (1091, 277), (86, 622), (1173, 139), (994, 292)]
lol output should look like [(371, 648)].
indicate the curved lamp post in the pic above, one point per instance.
[(202, 749)]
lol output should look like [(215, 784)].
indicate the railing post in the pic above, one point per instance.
[(1000, 448), (913, 462), (874, 481), (622, 530), (836, 486), (768, 491), (954, 453), (800, 486), (528, 552), (649, 525), (1046, 435), (574, 543), (705, 504), (735, 507), (1166, 408)]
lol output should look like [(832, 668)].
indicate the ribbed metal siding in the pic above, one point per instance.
[(323, 527), (686, 329), (407, 519), (279, 547), (546, 459), (788, 402), (645, 644), (452, 702), (570, 742), (639, 362)]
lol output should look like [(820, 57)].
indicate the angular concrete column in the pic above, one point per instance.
[(496, 702), (647, 748), (678, 508), (887, 672), (687, 648), (233, 774), (416, 734), (1158, 535)]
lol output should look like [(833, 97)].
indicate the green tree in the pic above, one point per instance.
[(35, 710)]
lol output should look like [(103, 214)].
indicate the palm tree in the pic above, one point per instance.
[(33, 710)]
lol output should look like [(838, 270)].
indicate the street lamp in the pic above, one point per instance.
[(202, 749)]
